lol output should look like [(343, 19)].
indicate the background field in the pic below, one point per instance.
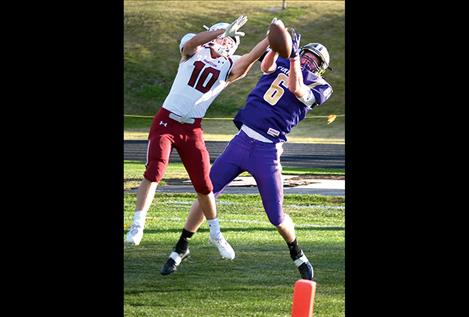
[(152, 31), (258, 282)]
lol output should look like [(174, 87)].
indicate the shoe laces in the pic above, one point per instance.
[(134, 227), (222, 241)]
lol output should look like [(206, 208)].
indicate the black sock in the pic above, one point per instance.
[(295, 250), (182, 244)]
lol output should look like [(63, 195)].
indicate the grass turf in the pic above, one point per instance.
[(258, 282)]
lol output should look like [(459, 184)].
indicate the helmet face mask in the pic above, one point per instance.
[(310, 62), (225, 46), (321, 54)]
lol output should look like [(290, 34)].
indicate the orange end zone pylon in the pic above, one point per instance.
[(303, 298)]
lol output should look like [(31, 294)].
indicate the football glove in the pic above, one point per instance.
[(295, 39), (232, 30)]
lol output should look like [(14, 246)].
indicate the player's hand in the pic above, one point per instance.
[(232, 30), (275, 21), (295, 39)]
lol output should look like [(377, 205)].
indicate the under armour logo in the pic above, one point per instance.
[(163, 123)]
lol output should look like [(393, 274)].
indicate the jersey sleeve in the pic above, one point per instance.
[(319, 87), (184, 39), (235, 58), (322, 93)]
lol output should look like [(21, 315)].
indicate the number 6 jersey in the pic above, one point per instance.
[(272, 110), (199, 80)]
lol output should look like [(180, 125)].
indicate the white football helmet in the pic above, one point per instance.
[(225, 50), (320, 51)]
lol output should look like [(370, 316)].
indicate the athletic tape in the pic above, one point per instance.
[(176, 257), (301, 260)]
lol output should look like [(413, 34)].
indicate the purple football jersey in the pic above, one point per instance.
[(272, 110)]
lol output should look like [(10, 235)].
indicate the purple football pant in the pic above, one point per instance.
[(262, 161)]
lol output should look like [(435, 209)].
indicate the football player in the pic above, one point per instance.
[(288, 89), (207, 66)]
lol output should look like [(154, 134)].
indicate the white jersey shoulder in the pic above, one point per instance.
[(199, 80)]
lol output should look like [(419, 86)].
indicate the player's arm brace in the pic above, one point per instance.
[(245, 62), (201, 38)]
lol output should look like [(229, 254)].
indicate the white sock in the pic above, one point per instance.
[(139, 218), (214, 227)]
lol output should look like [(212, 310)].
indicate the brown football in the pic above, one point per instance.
[(280, 39)]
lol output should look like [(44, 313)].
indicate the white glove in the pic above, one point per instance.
[(232, 30)]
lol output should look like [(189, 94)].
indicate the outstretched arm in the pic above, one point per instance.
[(269, 64), (191, 46), (295, 78), (245, 62)]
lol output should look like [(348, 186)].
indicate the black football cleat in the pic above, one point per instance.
[(174, 260), (304, 267)]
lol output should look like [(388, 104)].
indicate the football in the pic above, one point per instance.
[(280, 39)]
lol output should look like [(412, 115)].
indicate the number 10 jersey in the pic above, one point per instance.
[(199, 80)]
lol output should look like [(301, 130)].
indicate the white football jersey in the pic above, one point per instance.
[(199, 80)]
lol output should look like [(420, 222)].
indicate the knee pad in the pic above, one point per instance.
[(203, 188), (276, 220), (284, 219), (155, 170), (274, 212)]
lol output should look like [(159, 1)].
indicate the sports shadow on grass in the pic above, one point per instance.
[(256, 264), (250, 229), (261, 274)]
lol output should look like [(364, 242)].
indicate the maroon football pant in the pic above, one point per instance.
[(187, 139)]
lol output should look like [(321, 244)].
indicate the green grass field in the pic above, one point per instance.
[(152, 30), (258, 282), (247, 286)]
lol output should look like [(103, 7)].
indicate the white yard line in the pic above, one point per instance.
[(189, 203), (307, 225)]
